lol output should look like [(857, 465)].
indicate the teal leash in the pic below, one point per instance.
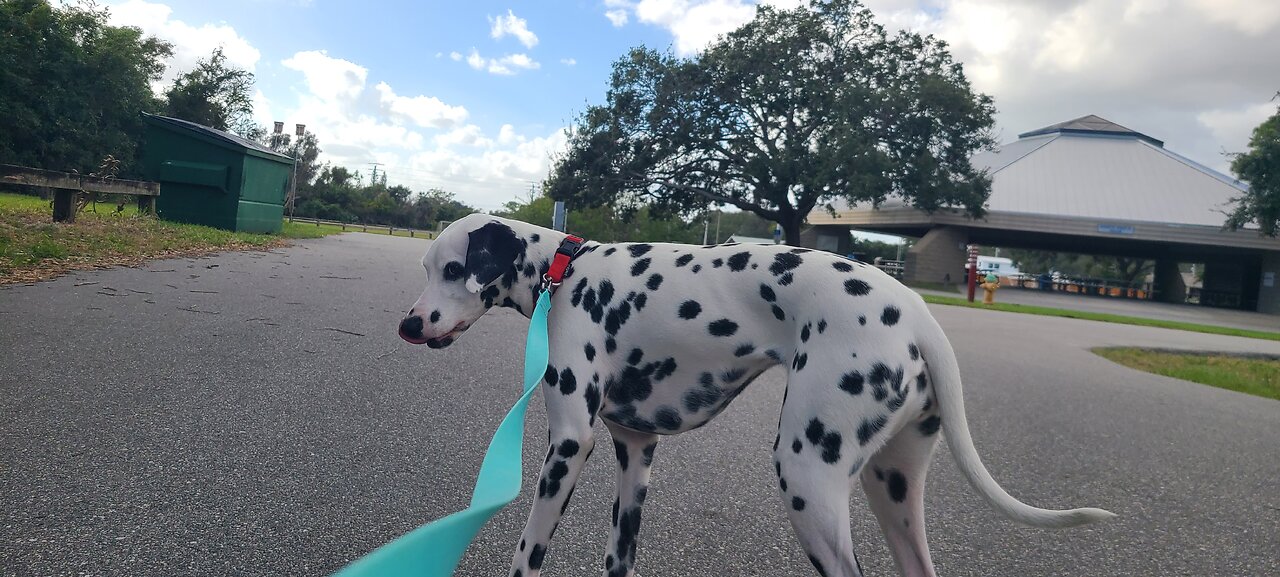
[(434, 549)]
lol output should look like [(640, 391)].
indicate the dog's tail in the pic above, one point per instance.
[(945, 374)]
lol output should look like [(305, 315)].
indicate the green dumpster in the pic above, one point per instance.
[(214, 178)]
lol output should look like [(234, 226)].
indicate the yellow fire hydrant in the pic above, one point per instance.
[(989, 286)]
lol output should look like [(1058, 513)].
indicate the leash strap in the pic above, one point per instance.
[(434, 549)]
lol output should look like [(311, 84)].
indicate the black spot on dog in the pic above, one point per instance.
[(667, 418), (488, 295), (814, 431), (617, 317), (624, 460), (529, 270), (640, 266), (818, 565), (534, 238), (568, 382), (929, 426), (777, 468), (785, 279), (697, 268), (800, 361), (638, 250), (593, 401), (869, 428), (778, 313), (783, 262), (655, 281), (640, 301), (896, 402), (723, 328), (851, 383), (897, 486), (635, 357), (684, 260), (744, 350), (862, 320), (647, 453), (766, 293), (717, 263), (914, 351), (804, 334), (829, 441), (704, 396), (773, 356), (842, 266), (551, 376), (732, 375), (880, 376), (890, 316), (878, 472), (610, 251), (738, 261), (535, 557), (796, 446), (922, 381), (615, 508), (856, 287), (568, 448), (782, 483), (822, 326), (690, 310), (454, 271), (590, 350), (797, 503), (435, 317), (605, 294), (610, 345)]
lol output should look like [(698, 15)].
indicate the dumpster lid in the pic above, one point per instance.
[(218, 136)]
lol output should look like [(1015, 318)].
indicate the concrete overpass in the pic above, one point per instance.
[(1088, 186)]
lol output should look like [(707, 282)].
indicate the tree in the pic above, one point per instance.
[(1260, 168), (72, 87), (306, 150), (795, 109), (603, 224), (216, 95)]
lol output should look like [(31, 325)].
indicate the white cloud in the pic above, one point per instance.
[(512, 25), (455, 56), (506, 66), (190, 43), (425, 111), (617, 17), (568, 61)]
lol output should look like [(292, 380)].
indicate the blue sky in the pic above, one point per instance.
[(473, 97)]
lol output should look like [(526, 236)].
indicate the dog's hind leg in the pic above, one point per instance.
[(815, 460), (894, 483), (571, 411), (635, 461)]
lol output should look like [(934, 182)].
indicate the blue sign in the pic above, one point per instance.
[(1115, 229)]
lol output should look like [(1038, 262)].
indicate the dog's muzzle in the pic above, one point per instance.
[(411, 332)]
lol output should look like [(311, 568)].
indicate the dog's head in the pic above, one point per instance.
[(463, 266)]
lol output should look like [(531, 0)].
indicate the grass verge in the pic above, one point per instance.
[(1104, 317), (32, 248), (1254, 375)]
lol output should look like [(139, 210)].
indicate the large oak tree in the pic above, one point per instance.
[(1260, 168), (791, 111)]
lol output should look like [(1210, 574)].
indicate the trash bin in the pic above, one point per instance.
[(1045, 281)]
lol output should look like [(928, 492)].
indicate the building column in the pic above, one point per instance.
[(1168, 283), (1269, 285), (939, 257)]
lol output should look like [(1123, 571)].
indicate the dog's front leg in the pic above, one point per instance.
[(570, 414), (635, 460)]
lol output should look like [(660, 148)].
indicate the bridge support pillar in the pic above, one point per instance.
[(938, 258), (1168, 282)]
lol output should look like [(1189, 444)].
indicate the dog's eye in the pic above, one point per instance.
[(453, 271)]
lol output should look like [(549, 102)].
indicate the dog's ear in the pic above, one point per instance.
[(491, 251)]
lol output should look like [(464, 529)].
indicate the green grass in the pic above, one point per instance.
[(1255, 375), (33, 248), (1104, 317)]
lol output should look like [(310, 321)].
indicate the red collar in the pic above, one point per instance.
[(565, 253)]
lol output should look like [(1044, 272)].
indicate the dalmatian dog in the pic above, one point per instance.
[(657, 339)]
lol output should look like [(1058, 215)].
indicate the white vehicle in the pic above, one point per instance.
[(998, 265)]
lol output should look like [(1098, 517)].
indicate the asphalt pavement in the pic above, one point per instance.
[(255, 414)]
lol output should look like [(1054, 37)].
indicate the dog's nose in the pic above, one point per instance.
[(411, 329)]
